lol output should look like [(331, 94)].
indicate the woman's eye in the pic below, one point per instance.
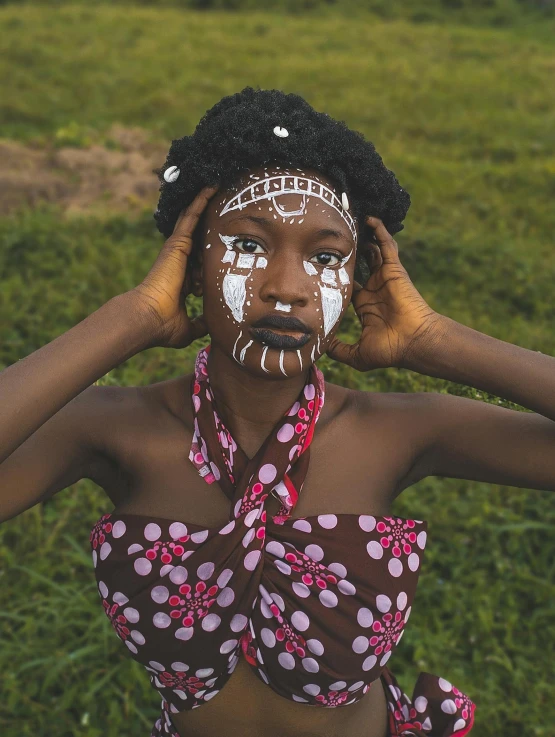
[(326, 256), (249, 245)]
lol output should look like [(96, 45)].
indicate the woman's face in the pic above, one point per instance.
[(279, 248)]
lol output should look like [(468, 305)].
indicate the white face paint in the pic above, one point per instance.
[(332, 294), (262, 359), (272, 187), (282, 307), (235, 346), (343, 276), (245, 261), (332, 305), (228, 240), (234, 287), (328, 277), (234, 294), (242, 356)]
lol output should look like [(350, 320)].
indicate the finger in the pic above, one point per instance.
[(356, 289), (373, 257), (388, 246), (199, 328), (189, 217), (343, 352)]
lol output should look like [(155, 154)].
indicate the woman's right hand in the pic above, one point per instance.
[(162, 292)]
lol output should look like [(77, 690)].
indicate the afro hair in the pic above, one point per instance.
[(236, 134)]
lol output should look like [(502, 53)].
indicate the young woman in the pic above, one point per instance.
[(251, 562)]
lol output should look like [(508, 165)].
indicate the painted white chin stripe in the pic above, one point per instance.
[(272, 187), (242, 354), (262, 360)]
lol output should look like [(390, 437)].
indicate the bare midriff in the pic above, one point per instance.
[(248, 707)]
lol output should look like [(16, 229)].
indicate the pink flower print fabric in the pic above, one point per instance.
[(188, 601)]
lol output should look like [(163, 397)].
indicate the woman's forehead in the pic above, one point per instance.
[(289, 194)]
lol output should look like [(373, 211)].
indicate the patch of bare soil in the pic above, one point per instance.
[(90, 180)]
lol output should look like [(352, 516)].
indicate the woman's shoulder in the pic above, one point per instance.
[(363, 405), (397, 418), (171, 397), (127, 412)]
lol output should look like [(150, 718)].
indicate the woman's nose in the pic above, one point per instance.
[(285, 281)]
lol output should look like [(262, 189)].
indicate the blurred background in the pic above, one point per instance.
[(458, 98)]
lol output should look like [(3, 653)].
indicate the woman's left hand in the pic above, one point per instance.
[(396, 321)]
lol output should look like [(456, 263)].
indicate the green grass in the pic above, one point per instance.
[(488, 13), (466, 119)]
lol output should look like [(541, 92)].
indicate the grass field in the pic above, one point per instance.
[(463, 112)]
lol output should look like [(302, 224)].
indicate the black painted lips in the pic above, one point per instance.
[(262, 331), (280, 341)]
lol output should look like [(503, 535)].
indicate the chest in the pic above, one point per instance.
[(355, 468)]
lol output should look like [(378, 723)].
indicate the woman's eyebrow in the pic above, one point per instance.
[(321, 233)]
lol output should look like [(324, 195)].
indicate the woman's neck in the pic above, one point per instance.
[(250, 406)]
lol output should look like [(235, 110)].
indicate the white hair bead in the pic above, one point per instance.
[(281, 132), (171, 174), (344, 200)]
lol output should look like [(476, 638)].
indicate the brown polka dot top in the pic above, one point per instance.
[(315, 605)]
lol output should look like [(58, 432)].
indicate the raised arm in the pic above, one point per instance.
[(37, 393)]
